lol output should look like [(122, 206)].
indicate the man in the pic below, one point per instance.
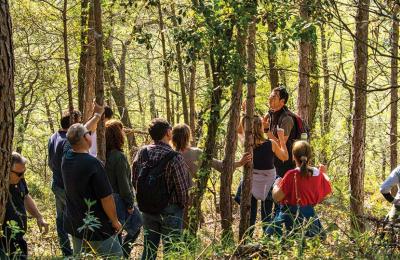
[(166, 225), (390, 182), (56, 148), (279, 117), (90, 213), (13, 244)]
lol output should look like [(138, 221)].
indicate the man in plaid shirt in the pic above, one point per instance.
[(167, 224)]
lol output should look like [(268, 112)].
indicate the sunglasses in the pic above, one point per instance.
[(19, 174), (88, 132)]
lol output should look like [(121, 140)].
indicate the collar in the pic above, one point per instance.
[(162, 144)]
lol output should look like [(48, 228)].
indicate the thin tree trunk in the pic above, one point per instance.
[(49, 115), (303, 98), (325, 69), (153, 110), (7, 101), (90, 70), (394, 96), (83, 55), (99, 86), (359, 117), (209, 151), (245, 201), (231, 145), (314, 88), (180, 70), (66, 59), (165, 63), (272, 59), (192, 100)]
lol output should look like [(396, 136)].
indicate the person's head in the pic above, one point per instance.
[(114, 135), (160, 130), (302, 155), (65, 119), (181, 136), (108, 113), (258, 130), (79, 137), (278, 98), (18, 168)]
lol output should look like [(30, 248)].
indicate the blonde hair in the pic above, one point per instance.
[(181, 136), (258, 129)]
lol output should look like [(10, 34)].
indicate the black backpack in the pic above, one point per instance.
[(152, 193)]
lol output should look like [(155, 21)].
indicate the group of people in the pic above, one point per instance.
[(95, 201)]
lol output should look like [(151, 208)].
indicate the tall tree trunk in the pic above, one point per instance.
[(359, 117), (326, 111), (90, 70), (192, 100), (153, 110), (83, 55), (49, 114), (7, 102), (165, 62), (245, 201), (394, 96), (231, 135), (272, 59), (66, 59), (209, 151), (180, 70), (303, 98), (314, 88), (99, 86)]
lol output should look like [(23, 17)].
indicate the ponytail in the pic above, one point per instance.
[(302, 154), (304, 167)]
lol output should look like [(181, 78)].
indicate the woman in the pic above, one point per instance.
[(119, 175), (181, 137), (298, 192), (264, 172)]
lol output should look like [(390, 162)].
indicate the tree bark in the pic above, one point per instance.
[(245, 200), (314, 88), (303, 98), (231, 135), (180, 70), (165, 62), (359, 117), (90, 70), (66, 59), (394, 96), (7, 102), (192, 100), (49, 115), (325, 69), (99, 86), (83, 55), (272, 59), (153, 110)]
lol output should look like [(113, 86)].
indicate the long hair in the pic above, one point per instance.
[(181, 136), (114, 135), (302, 154)]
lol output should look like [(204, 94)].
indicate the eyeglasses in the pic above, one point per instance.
[(19, 174)]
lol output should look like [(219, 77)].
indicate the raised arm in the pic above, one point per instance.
[(280, 150)]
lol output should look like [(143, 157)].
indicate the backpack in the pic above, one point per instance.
[(152, 194), (300, 128)]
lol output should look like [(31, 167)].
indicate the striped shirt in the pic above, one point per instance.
[(177, 175)]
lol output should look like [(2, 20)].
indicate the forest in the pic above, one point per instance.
[(210, 64)]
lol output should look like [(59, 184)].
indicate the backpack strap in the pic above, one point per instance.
[(164, 161), (145, 154)]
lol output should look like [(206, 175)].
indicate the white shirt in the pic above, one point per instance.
[(393, 179)]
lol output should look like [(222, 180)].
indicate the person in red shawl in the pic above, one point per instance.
[(297, 193)]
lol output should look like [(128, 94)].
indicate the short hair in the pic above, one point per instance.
[(181, 136), (114, 135), (283, 94), (17, 158), (158, 128), (65, 118), (108, 113), (75, 133)]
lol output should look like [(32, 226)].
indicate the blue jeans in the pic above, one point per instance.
[(166, 226), (107, 248), (265, 210), (296, 218), (61, 204), (131, 224)]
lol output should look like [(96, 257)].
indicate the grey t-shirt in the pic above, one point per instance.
[(192, 157)]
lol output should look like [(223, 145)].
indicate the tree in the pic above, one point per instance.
[(83, 55), (357, 168), (99, 86), (7, 100), (245, 201)]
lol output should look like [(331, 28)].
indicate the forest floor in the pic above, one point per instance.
[(340, 243)]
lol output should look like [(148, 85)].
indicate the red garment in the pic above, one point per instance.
[(310, 190)]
